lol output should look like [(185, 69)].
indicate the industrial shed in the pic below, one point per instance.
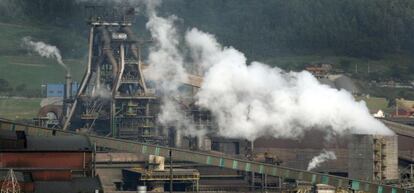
[(43, 162)]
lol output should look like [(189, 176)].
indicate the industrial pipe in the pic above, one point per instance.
[(106, 39), (68, 94), (131, 36), (84, 81)]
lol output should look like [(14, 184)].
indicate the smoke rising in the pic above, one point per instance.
[(44, 50), (322, 157), (167, 70), (251, 100), (102, 91), (246, 100)]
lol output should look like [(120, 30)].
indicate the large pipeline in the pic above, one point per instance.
[(131, 36), (106, 39), (84, 81)]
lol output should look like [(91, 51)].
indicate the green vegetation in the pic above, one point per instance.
[(396, 66), (375, 103), (389, 93), (23, 71), (358, 37), (19, 108)]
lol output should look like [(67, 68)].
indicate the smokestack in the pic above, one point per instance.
[(68, 93)]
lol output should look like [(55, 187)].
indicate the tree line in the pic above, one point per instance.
[(265, 28)]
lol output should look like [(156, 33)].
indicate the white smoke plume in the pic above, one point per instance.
[(253, 100), (167, 70), (247, 100), (322, 157), (256, 100), (44, 50), (102, 91)]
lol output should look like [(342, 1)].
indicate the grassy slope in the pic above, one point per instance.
[(18, 67), (19, 108)]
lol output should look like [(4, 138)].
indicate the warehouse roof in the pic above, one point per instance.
[(49, 143), (58, 143), (84, 185), (8, 135)]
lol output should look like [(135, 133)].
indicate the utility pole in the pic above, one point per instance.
[(171, 172), (94, 160), (253, 174)]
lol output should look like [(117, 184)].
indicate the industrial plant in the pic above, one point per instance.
[(105, 134)]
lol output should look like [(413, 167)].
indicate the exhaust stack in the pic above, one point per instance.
[(67, 97)]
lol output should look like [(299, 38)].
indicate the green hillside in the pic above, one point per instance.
[(19, 108), (356, 36), (25, 70)]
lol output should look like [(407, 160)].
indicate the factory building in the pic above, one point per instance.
[(41, 160), (58, 89), (115, 100)]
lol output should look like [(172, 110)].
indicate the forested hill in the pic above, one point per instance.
[(263, 29), (368, 28)]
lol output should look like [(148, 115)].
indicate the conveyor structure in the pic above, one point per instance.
[(214, 160)]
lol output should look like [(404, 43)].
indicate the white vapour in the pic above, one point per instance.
[(165, 59), (255, 100), (44, 50), (167, 70), (102, 91), (247, 100), (322, 157)]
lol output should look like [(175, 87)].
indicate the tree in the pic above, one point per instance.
[(5, 86)]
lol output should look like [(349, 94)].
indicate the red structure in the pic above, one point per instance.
[(45, 158)]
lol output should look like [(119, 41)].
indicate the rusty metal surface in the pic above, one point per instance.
[(52, 175), (70, 160), (214, 160)]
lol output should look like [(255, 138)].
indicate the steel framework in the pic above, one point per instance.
[(215, 160), (10, 183)]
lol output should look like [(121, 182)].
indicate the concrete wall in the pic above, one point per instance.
[(391, 157), (373, 157), (361, 157)]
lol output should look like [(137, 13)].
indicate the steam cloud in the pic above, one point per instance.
[(102, 91), (167, 70), (246, 100), (44, 50), (254, 100), (322, 157)]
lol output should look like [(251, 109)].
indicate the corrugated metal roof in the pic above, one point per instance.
[(8, 135), (50, 143), (84, 185), (58, 143)]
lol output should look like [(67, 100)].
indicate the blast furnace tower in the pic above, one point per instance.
[(113, 98)]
